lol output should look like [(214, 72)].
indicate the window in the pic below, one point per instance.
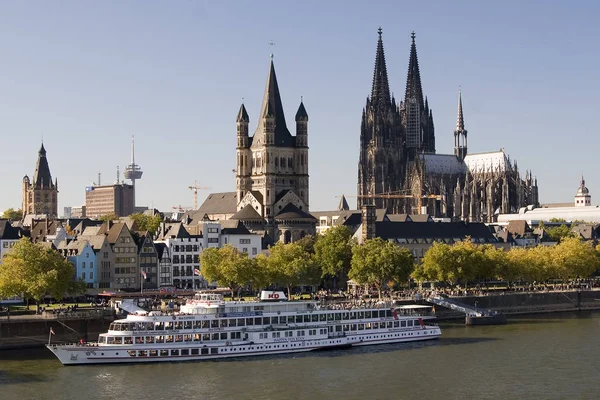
[(213, 240), (91, 275), (83, 275), (254, 251), (91, 264), (83, 264), (213, 230), (245, 250), (87, 255), (244, 241)]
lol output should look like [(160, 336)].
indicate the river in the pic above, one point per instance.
[(542, 357)]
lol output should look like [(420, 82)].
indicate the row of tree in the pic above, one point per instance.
[(331, 257)]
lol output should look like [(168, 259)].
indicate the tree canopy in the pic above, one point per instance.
[(333, 251), (145, 222), (34, 271), (290, 265), (558, 233), (12, 214), (228, 267), (377, 262)]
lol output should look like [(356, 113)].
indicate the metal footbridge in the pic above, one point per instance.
[(457, 306)]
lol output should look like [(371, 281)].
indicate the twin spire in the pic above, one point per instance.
[(380, 93), (413, 80)]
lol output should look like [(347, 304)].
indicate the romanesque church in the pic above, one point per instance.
[(400, 171)]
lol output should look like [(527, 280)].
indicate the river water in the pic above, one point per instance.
[(542, 357)]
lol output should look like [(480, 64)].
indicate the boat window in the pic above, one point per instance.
[(197, 324), (322, 317), (232, 322), (142, 353), (352, 315), (169, 338), (168, 326), (159, 326), (223, 335), (314, 317), (204, 351), (214, 350), (111, 327), (215, 336), (361, 315), (164, 353), (139, 340), (160, 339), (196, 337), (298, 319), (258, 321), (128, 340), (187, 338), (346, 327), (241, 322), (131, 353), (249, 321), (101, 339), (368, 314), (410, 322), (205, 337), (179, 325), (290, 319), (149, 326), (179, 338), (396, 324), (214, 323), (149, 339), (361, 327), (153, 353), (194, 352), (185, 352), (174, 352), (118, 340), (338, 316), (110, 340), (223, 323), (267, 320), (205, 324), (376, 325), (306, 318), (187, 325), (329, 317), (259, 308), (346, 316), (368, 325), (338, 328)]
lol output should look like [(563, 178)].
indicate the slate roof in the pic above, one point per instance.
[(8, 232), (115, 232), (40, 229), (258, 195), (290, 211), (273, 107), (419, 217), (242, 115), (518, 227), (343, 204), (301, 114), (233, 227), (281, 194), (217, 203), (172, 230), (586, 231), (42, 177), (433, 231), (248, 213)]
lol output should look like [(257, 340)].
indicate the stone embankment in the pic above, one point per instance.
[(23, 331)]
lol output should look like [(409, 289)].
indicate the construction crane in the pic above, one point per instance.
[(400, 196), (195, 189)]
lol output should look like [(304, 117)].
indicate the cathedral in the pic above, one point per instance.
[(40, 196), (399, 169)]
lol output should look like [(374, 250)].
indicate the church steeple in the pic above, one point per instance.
[(42, 177), (460, 133), (380, 93), (272, 107), (414, 90)]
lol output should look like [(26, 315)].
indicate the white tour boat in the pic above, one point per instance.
[(207, 327)]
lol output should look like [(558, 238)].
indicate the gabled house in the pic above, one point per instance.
[(126, 273), (148, 260), (81, 254), (9, 235)]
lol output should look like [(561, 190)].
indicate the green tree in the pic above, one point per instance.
[(228, 267), (558, 233), (108, 217), (12, 214), (377, 262), (574, 258), (333, 252), (289, 265), (145, 222), (34, 271), (440, 263)]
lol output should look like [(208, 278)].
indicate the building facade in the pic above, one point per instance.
[(114, 199), (400, 171), (40, 195)]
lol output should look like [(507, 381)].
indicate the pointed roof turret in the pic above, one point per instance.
[(413, 80), (242, 115), (380, 93), (343, 206), (460, 121), (301, 114), (273, 107), (42, 177)]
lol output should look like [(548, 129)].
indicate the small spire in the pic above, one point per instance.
[(380, 92), (414, 89), (301, 114), (242, 115), (460, 121), (412, 35)]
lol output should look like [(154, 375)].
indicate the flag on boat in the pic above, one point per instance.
[(197, 271), (52, 331), (143, 274)]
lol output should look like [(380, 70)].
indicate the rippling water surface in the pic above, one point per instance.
[(546, 357)]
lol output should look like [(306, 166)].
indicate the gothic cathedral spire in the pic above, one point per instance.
[(380, 93), (460, 133)]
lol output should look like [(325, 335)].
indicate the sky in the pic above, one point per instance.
[(83, 76)]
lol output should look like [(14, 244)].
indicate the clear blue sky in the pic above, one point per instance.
[(86, 75)]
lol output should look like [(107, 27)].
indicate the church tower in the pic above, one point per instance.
[(381, 163), (460, 133), (583, 198), (272, 165), (417, 117), (40, 196)]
